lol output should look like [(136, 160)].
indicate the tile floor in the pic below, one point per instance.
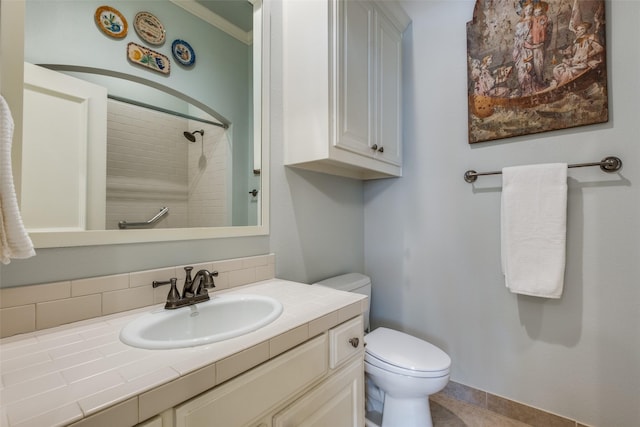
[(449, 412)]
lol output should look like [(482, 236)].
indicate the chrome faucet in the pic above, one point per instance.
[(194, 290)]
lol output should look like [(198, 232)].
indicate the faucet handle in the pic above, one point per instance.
[(157, 283), (173, 296)]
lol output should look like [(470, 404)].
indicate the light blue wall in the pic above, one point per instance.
[(65, 32), (317, 225), (317, 220), (432, 241)]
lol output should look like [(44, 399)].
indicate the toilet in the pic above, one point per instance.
[(401, 370)]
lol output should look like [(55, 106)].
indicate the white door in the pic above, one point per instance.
[(63, 152)]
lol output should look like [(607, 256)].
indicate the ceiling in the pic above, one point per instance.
[(237, 12)]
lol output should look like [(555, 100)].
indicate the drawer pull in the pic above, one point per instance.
[(354, 342)]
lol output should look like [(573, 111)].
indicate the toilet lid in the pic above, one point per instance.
[(405, 353)]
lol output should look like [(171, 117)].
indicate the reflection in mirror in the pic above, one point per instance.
[(134, 160), (157, 159)]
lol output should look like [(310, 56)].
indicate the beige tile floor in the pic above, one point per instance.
[(449, 412)]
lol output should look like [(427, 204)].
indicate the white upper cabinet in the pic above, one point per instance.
[(342, 69)]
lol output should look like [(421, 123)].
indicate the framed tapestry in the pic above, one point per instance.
[(535, 66)]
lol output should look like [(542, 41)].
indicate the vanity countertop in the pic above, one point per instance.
[(62, 375)]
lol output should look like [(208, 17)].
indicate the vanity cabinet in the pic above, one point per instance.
[(336, 402), (299, 385), (342, 86)]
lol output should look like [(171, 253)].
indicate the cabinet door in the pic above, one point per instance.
[(388, 91), (249, 397), (337, 402), (355, 80)]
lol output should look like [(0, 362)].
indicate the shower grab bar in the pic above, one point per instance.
[(124, 224), (608, 164)]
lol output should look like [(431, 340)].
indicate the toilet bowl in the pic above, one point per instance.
[(408, 370), (405, 369)]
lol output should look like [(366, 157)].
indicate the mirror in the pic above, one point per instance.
[(221, 93)]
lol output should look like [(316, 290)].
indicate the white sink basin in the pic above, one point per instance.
[(221, 318)]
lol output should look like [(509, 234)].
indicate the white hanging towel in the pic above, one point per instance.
[(533, 228), (14, 240)]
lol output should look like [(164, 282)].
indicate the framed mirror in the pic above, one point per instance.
[(210, 133)]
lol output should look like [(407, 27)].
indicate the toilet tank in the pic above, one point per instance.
[(352, 282)]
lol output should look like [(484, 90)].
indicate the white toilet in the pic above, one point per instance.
[(405, 369)]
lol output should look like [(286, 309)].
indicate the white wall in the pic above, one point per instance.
[(432, 242)]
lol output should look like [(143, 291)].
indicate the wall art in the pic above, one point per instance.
[(149, 28), (111, 21), (535, 66), (183, 52), (148, 58)]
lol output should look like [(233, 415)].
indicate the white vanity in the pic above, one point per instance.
[(307, 365)]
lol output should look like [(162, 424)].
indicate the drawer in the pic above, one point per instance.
[(345, 340)]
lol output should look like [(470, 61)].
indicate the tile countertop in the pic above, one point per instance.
[(61, 375)]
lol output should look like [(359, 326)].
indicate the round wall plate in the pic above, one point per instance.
[(111, 21), (149, 28), (183, 53)]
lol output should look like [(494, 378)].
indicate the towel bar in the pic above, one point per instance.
[(608, 164)]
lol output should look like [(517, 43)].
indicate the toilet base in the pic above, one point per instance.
[(406, 412), (372, 419)]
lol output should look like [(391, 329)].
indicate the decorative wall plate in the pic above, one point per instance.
[(149, 28), (148, 58), (111, 21), (183, 52)]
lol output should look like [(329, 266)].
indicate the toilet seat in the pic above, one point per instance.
[(403, 354)]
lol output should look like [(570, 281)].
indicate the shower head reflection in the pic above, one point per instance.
[(191, 136)]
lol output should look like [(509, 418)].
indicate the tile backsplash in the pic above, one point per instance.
[(40, 306)]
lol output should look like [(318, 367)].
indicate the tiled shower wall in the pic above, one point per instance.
[(209, 177), (40, 306), (150, 164)]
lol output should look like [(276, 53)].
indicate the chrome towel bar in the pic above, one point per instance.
[(608, 164), (156, 218)]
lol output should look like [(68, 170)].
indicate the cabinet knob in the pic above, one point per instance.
[(381, 150), (354, 342), (374, 147)]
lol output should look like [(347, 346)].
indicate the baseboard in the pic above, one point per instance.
[(508, 408)]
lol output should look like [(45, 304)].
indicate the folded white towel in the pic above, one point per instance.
[(533, 228), (14, 240)]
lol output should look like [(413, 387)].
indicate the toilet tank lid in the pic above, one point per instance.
[(406, 351), (346, 282)]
